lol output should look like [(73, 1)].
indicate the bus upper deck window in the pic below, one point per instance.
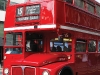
[(79, 3), (98, 10), (13, 2), (69, 1)]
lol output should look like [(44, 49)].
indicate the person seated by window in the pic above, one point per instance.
[(69, 48), (53, 49), (65, 49), (28, 45), (34, 45), (59, 49)]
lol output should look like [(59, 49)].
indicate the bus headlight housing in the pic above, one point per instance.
[(6, 71), (45, 73)]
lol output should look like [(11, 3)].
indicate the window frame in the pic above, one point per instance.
[(13, 46), (84, 42), (98, 43), (60, 46), (78, 6), (87, 4), (97, 10)]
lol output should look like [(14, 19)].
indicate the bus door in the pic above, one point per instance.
[(81, 57)]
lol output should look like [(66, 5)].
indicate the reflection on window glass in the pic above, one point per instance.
[(79, 3), (13, 50), (57, 46), (81, 45), (13, 39), (99, 46), (2, 4), (98, 9), (92, 46), (90, 8), (13, 2)]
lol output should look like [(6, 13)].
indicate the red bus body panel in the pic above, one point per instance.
[(59, 13)]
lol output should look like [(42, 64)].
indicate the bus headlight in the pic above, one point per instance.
[(45, 73), (6, 71)]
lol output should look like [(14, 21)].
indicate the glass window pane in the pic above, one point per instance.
[(2, 5), (99, 46), (92, 46), (98, 10), (13, 50), (79, 3), (34, 42), (90, 8), (57, 46), (81, 45), (14, 39)]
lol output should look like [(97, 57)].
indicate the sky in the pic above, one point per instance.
[(98, 1)]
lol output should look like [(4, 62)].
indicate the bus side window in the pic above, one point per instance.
[(98, 10), (81, 45), (92, 46), (69, 1), (99, 46), (79, 3), (90, 7)]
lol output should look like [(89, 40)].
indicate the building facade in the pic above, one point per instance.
[(2, 19)]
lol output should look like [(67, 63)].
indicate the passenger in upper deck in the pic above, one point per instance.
[(59, 49)]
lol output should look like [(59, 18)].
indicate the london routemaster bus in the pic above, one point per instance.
[(52, 37)]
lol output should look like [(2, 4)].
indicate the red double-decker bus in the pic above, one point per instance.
[(52, 37)]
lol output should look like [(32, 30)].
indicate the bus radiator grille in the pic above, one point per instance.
[(17, 71), (23, 70), (29, 71)]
